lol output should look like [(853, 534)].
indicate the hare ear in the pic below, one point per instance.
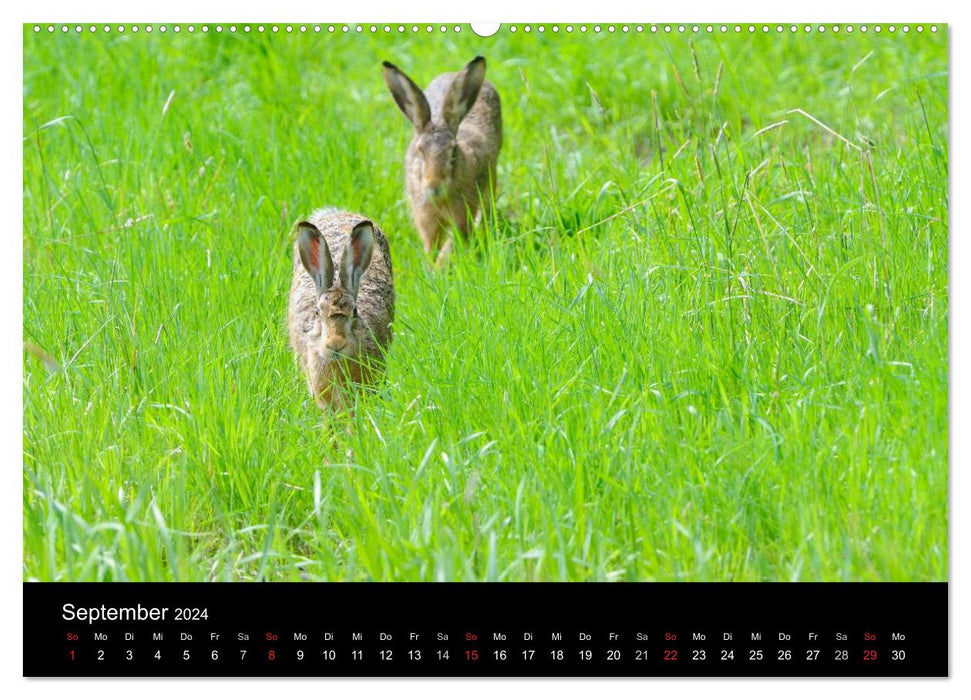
[(315, 256), (411, 100), (357, 256), (463, 92)]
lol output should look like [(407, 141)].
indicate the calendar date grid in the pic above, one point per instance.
[(495, 648)]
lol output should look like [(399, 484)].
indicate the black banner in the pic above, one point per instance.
[(479, 629)]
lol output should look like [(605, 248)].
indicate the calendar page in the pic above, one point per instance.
[(540, 349)]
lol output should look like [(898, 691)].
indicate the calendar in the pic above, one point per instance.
[(486, 630), (536, 349)]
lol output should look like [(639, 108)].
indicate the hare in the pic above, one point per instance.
[(340, 317), (450, 165)]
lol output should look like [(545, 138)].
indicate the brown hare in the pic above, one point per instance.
[(450, 165), (340, 317)]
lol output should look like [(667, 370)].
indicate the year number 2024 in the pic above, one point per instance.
[(191, 614)]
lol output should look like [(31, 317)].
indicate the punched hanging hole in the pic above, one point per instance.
[(485, 28)]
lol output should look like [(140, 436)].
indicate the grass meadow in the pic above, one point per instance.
[(703, 338)]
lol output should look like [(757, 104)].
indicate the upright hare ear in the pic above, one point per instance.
[(462, 93), (357, 256), (411, 100), (315, 256)]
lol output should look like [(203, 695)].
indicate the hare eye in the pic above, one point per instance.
[(317, 312)]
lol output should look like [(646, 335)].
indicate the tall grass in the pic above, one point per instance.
[(704, 338)]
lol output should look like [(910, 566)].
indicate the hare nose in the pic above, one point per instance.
[(336, 344)]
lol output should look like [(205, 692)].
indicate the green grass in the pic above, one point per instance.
[(704, 339)]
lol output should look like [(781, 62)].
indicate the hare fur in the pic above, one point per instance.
[(341, 307), (450, 164)]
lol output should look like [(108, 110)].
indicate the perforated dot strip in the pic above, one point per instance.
[(511, 28)]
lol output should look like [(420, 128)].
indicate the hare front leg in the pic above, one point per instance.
[(463, 219), (445, 254), (431, 227)]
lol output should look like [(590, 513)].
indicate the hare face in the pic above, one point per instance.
[(438, 153), (339, 327), (333, 346)]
